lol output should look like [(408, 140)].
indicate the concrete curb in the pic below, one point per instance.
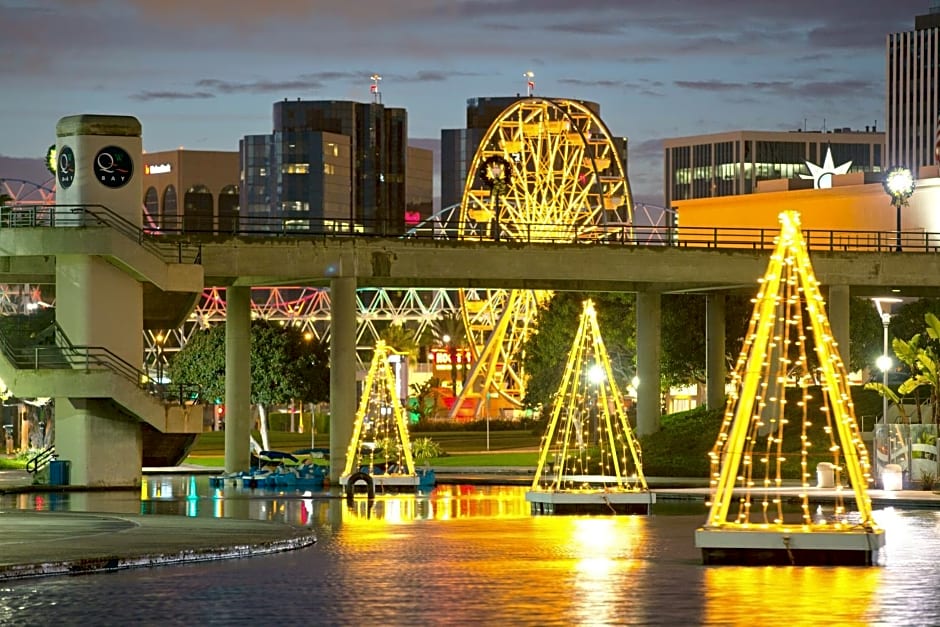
[(112, 564)]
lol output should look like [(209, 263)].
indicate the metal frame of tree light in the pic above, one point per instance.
[(789, 294)]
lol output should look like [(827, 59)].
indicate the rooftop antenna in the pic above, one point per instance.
[(374, 88), (529, 82)]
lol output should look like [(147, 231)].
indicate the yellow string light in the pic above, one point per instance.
[(788, 309)]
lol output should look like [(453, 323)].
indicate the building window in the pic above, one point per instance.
[(170, 210), (152, 207), (295, 168), (198, 209), (329, 168)]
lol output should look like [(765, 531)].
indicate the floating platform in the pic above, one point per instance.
[(790, 545), (391, 482), (590, 502)]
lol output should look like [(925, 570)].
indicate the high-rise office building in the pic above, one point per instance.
[(913, 98), (329, 166), (458, 146), (732, 163)]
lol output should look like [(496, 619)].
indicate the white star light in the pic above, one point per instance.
[(822, 176)]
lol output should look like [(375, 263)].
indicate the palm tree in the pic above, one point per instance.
[(449, 331), (401, 339)]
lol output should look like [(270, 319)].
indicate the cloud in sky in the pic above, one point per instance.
[(205, 73)]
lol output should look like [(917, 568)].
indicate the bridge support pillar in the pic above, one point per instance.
[(648, 343), (839, 306), (343, 312), (237, 378), (98, 304), (715, 367)]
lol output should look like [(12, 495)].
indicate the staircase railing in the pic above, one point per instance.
[(65, 355), (40, 460)]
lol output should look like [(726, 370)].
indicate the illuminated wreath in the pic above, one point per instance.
[(51, 159), (495, 170)]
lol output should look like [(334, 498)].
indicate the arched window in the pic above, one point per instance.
[(170, 210), (151, 207), (228, 209), (197, 210)]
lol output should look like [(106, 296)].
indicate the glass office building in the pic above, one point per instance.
[(329, 165), (733, 163), (913, 98)]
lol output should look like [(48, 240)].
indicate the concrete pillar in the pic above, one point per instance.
[(715, 365), (237, 378), (342, 370), (839, 306), (97, 304), (648, 347)]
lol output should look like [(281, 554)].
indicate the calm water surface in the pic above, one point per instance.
[(472, 555)]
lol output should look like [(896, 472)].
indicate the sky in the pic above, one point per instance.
[(203, 73)]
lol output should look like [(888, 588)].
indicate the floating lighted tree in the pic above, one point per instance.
[(749, 459), (380, 445), (589, 459)]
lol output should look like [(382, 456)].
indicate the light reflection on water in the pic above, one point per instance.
[(468, 554)]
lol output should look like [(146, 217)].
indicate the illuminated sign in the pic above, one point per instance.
[(65, 167), (113, 167), (822, 176), (442, 357), (158, 168)]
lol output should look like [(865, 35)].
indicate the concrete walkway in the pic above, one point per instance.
[(36, 544)]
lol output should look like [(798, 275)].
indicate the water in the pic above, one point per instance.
[(473, 555)]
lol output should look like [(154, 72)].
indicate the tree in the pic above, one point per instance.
[(908, 320), (449, 331), (400, 339), (920, 355), (284, 366), (545, 351), (865, 333)]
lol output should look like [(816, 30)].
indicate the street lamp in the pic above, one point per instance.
[(158, 340), (496, 174), (884, 364), (899, 184)]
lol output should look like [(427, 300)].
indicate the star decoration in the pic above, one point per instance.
[(822, 176)]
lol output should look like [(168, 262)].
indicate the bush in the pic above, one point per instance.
[(681, 447), (425, 448)]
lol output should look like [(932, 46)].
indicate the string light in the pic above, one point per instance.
[(380, 433), (589, 445), (748, 459)]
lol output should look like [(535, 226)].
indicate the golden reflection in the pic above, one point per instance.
[(446, 502), (591, 560), (798, 595)]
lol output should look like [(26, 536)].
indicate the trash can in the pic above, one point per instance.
[(59, 470), (825, 475)]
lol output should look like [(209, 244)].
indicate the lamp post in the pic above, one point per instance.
[(884, 363), (158, 340), (899, 184), (496, 174)]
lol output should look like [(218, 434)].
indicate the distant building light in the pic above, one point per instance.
[(158, 168)]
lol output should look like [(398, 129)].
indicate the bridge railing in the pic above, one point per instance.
[(544, 233), (187, 233), (90, 215)]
